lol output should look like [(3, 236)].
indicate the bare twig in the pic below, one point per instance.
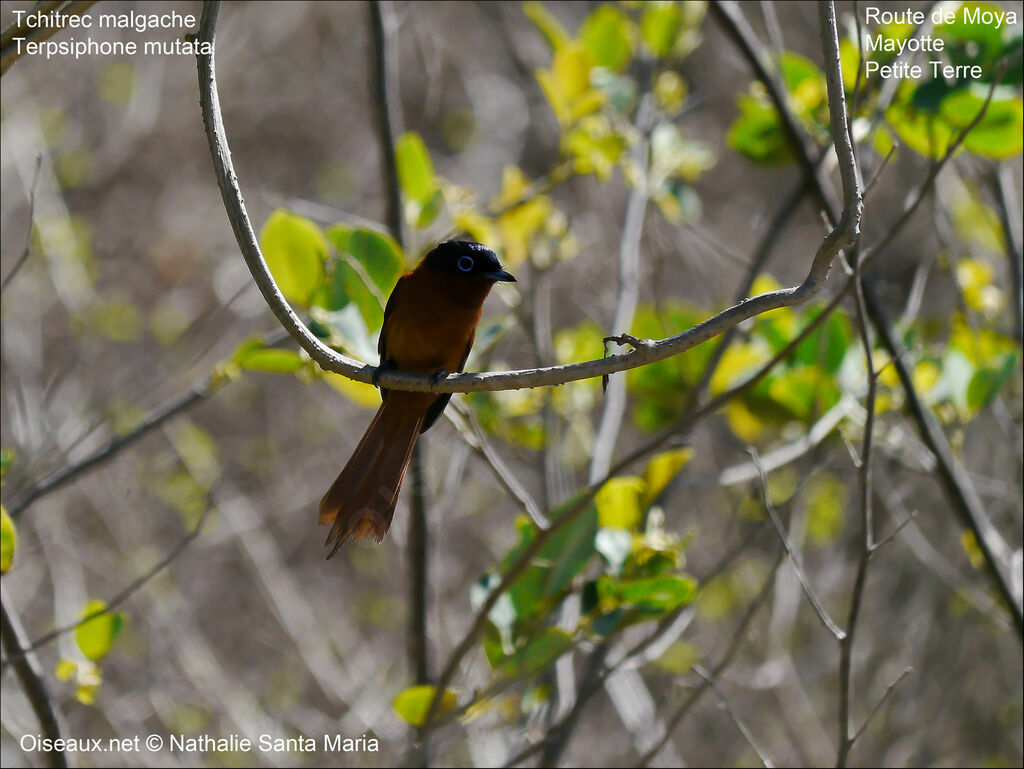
[(134, 586), (30, 674), (1009, 210), (845, 742), (958, 484), (330, 360), (826, 620), (724, 704), (156, 418), (386, 108), (629, 292), (878, 705), (730, 652), (65, 475), (474, 437), (31, 221)]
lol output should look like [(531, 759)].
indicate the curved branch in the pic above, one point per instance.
[(30, 674), (648, 351)]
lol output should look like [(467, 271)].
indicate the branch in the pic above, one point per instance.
[(386, 110), (31, 219), (9, 52), (469, 429), (724, 704), (717, 670), (878, 705), (958, 485), (826, 620), (841, 236), (1009, 208), (867, 545), (153, 419), (30, 674), (629, 289), (121, 597)]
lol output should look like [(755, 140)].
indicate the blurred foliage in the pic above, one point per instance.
[(614, 556), (925, 115)]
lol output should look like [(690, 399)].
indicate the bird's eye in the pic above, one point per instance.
[(465, 263)]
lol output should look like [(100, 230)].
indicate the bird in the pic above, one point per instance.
[(429, 326)]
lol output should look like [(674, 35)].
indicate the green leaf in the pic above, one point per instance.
[(6, 460), (8, 540), (999, 134), (413, 704), (370, 264), (415, 170), (620, 503), (538, 654), (96, 637), (660, 594), (380, 255), (968, 40), (660, 26), (986, 382), (198, 451), (679, 657), (271, 360), (348, 331), (826, 346), (606, 35), (295, 250), (757, 133), (547, 24)]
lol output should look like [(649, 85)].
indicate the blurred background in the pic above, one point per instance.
[(133, 303)]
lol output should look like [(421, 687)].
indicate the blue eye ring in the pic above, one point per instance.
[(465, 263)]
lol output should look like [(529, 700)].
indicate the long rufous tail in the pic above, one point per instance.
[(362, 499)]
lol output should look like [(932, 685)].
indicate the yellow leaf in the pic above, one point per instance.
[(663, 468), (363, 395), (737, 362), (413, 704), (743, 422), (477, 226), (970, 545), (620, 503), (8, 540), (975, 278), (65, 669), (514, 185)]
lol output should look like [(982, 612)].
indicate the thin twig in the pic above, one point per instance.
[(845, 743), (386, 108), (154, 419), (724, 704), (1009, 215), (134, 586), (878, 705), (657, 350), (826, 620), (718, 669), (629, 290), (30, 674), (31, 220), (473, 435), (958, 484)]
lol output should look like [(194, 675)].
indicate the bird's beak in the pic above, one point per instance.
[(500, 276)]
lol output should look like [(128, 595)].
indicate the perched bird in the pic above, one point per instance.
[(429, 325)]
